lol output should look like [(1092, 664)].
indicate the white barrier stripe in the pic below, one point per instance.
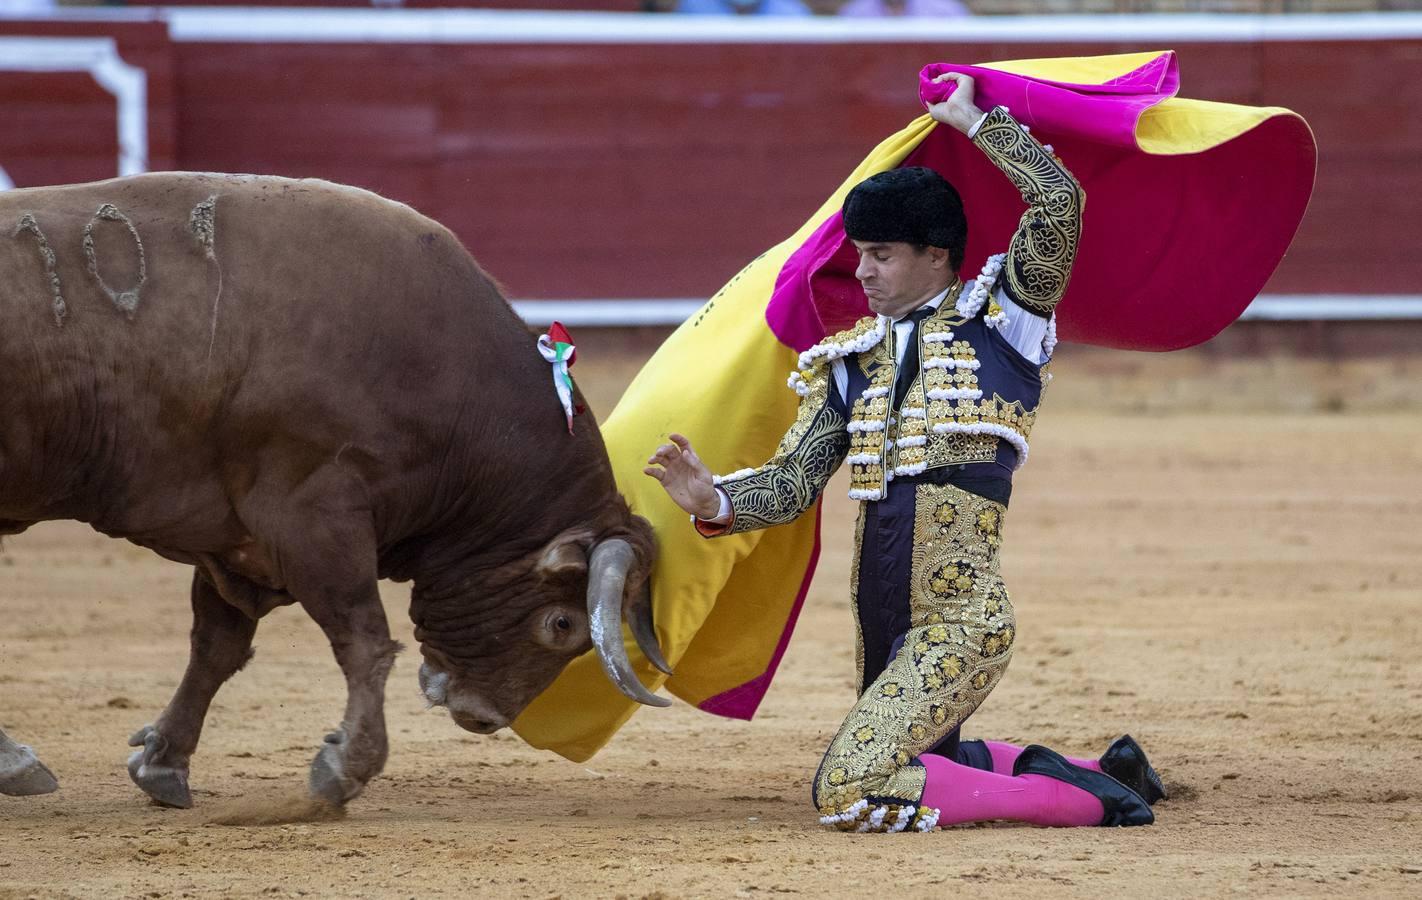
[(439, 26), (610, 313), (99, 57), (1334, 307), (1271, 307)]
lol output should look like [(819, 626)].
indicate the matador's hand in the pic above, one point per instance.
[(686, 479), (958, 110)]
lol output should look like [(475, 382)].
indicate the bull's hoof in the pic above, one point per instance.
[(166, 785), (328, 781), (23, 775)]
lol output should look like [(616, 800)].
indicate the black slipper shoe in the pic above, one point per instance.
[(1126, 762), (1119, 804)]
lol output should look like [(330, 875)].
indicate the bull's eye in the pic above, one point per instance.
[(562, 624)]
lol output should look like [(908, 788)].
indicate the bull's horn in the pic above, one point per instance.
[(639, 619), (607, 579)]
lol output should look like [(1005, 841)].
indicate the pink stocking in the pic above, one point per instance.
[(1005, 755), (964, 794)]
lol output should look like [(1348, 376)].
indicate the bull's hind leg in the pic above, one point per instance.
[(221, 646), (21, 773)]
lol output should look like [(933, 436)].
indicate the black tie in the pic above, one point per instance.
[(908, 369)]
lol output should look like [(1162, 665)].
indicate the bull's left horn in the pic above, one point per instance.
[(607, 580)]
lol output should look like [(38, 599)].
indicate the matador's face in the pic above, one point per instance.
[(899, 277)]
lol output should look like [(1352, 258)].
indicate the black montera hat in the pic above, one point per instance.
[(915, 205)]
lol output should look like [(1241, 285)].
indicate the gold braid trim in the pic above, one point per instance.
[(848, 335), (854, 598), (1040, 257), (869, 415), (809, 453), (860, 336)]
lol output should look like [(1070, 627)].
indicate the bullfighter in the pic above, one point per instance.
[(930, 401)]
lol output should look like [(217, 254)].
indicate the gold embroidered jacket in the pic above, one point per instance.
[(973, 390)]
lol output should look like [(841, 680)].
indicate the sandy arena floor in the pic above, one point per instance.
[(1239, 590)]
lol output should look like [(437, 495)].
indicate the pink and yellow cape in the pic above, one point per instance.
[(1190, 206)]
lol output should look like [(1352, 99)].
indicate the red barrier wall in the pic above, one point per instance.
[(658, 169), (62, 126)]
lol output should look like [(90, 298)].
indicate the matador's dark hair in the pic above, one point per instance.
[(914, 205)]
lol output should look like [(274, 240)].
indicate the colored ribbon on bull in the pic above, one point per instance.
[(725, 608), (557, 348)]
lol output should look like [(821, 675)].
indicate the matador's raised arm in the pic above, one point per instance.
[(1040, 257)]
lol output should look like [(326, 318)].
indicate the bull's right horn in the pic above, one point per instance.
[(608, 565), (639, 620)]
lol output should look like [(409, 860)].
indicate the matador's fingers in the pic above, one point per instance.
[(965, 88), (686, 450)]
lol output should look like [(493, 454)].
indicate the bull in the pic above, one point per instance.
[(298, 388)]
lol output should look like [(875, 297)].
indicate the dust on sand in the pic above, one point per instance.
[(1238, 588), (273, 809)]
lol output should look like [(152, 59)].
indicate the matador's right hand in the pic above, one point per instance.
[(685, 478)]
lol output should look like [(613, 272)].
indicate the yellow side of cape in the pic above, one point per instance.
[(1170, 128)]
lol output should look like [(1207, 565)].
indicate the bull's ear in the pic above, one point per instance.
[(566, 554)]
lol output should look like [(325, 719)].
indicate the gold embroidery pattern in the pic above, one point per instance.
[(809, 453), (958, 645), (854, 597), (947, 365), (942, 417), (956, 448), (1040, 256), (869, 416), (997, 411)]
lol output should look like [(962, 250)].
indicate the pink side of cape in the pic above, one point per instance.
[(1173, 248)]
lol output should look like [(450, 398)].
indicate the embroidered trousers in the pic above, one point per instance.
[(935, 632)]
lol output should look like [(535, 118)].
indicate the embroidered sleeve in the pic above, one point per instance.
[(788, 485), (1040, 257)]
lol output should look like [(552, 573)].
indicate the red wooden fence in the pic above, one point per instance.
[(656, 167)]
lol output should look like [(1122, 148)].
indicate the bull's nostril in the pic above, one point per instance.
[(434, 685)]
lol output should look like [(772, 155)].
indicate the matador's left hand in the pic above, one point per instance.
[(958, 110)]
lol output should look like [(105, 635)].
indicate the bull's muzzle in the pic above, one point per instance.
[(470, 712), (477, 723)]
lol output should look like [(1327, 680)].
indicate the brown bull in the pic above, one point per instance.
[(298, 388)]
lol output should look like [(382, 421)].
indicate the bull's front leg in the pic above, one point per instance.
[(360, 637), (322, 531), (221, 646), (21, 772)]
